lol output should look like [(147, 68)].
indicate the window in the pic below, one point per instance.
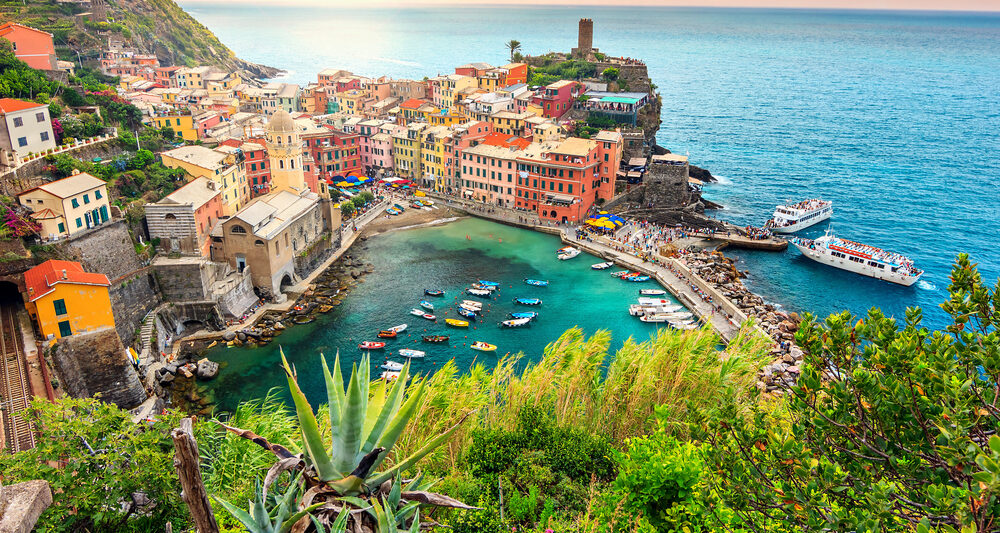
[(18, 122), (97, 194), (39, 117), (62, 228), (75, 202), (60, 307), (22, 141), (86, 199), (79, 223), (45, 136), (64, 329), (238, 229)]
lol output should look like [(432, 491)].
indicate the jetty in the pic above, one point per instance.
[(736, 240)]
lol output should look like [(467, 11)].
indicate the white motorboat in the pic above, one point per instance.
[(392, 366), (652, 292), (794, 217), (568, 254), (859, 258), (654, 301), (472, 305), (398, 329), (479, 292), (389, 375), (639, 309), (515, 323), (412, 354), (619, 273), (416, 312), (602, 266), (652, 319), (470, 308)]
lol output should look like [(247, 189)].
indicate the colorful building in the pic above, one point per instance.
[(225, 167), (68, 206), (64, 300), (445, 89), (183, 125), (32, 46), (25, 127), (166, 76), (406, 145), (489, 172), (183, 220), (558, 98)]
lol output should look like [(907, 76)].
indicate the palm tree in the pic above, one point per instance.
[(514, 46)]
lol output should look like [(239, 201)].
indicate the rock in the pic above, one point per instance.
[(207, 369), (170, 368), (228, 336), (787, 358), (793, 369), (278, 326), (22, 503), (167, 379), (241, 336)]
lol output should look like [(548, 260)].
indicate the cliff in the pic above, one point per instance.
[(158, 27)]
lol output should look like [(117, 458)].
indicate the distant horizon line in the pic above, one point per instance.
[(721, 4)]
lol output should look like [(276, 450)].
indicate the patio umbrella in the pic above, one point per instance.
[(600, 223)]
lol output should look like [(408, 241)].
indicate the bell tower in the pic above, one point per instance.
[(284, 151)]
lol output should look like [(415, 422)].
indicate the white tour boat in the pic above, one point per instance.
[(794, 217), (859, 258)]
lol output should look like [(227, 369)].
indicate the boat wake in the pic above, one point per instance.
[(926, 285)]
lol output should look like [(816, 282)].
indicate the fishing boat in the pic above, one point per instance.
[(389, 375), (483, 346), (794, 217), (859, 258), (434, 292), (481, 287), (478, 292), (371, 345), (619, 273), (398, 329), (654, 301), (652, 292), (392, 366), (602, 266), (467, 313), (515, 323), (456, 323), (569, 254), (436, 338), (412, 354), (525, 314), (417, 312), (473, 305), (426, 305), (429, 316), (489, 283), (638, 279), (537, 282), (387, 334), (528, 301)]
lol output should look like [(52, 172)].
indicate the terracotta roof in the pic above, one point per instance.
[(44, 214), (42, 279), (413, 103), (9, 105)]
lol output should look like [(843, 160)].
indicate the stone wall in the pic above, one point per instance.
[(234, 300), (94, 363), (312, 257), (197, 280), (30, 174)]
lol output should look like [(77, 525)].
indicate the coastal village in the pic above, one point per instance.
[(269, 184)]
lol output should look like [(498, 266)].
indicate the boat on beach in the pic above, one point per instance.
[(859, 258), (479, 292), (515, 322), (393, 211), (537, 282), (528, 301), (524, 314), (652, 292), (412, 354), (426, 305), (799, 216), (434, 292), (602, 266), (483, 346), (392, 366), (455, 323), (371, 345), (387, 334), (436, 338)]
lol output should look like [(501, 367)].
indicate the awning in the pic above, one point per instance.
[(559, 198), (468, 192)]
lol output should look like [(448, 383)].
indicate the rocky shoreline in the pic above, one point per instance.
[(721, 272)]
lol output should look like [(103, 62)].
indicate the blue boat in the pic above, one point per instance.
[(525, 314), (638, 278), (426, 305), (489, 283), (467, 313), (537, 282), (434, 292), (528, 301)]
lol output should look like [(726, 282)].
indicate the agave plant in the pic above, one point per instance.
[(342, 478), (279, 519)]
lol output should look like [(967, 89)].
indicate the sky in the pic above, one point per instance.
[(932, 5)]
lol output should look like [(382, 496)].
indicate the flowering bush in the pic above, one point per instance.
[(18, 225)]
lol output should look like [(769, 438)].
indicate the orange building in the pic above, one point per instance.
[(64, 299), (32, 46)]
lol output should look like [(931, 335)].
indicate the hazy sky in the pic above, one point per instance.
[(962, 5)]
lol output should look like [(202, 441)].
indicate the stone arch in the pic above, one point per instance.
[(170, 216)]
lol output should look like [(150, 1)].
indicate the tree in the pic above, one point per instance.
[(72, 98), (610, 74), (887, 428), (347, 209), (514, 46)]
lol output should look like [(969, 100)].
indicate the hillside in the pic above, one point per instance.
[(160, 27)]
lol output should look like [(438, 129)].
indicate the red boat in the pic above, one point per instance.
[(387, 334), (371, 345)]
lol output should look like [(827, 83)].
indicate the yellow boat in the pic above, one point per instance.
[(483, 346), (456, 323)]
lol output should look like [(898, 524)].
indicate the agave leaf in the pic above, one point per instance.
[(351, 424), (398, 424), (427, 448), (381, 517), (315, 450), (405, 511), (334, 392), (415, 524), (239, 514), (279, 467), (362, 505), (259, 512), (376, 400), (390, 518), (394, 491), (286, 526), (389, 409)]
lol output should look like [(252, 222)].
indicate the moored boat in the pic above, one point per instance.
[(652, 292), (434, 292), (387, 334), (455, 323), (638, 279), (436, 338), (417, 312), (481, 287), (469, 309), (371, 345), (602, 266), (478, 292), (389, 375), (654, 301), (467, 313), (569, 254), (472, 304), (537, 282), (794, 217), (483, 346), (429, 316), (489, 283), (524, 314), (426, 305), (398, 329), (619, 273), (412, 354), (639, 309), (515, 322), (859, 258), (528, 301), (392, 366)]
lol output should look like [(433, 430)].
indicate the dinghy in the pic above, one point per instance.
[(638, 278), (528, 301), (537, 282), (654, 301), (371, 345), (489, 283), (417, 312), (398, 329), (573, 252), (436, 338), (467, 313), (426, 305), (472, 304), (481, 287), (515, 323), (434, 292), (455, 323), (469, 309), (429, 316), (392, 366), (525, 314), (619, 273), (652, 292), (478, 292), (412, 354), (602, 266), (387, 334), (483, 346), (389, 375)]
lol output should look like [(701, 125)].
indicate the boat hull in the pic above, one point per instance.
[(801, 225), (818, 255)]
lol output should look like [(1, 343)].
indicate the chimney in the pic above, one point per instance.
[(64, 274)]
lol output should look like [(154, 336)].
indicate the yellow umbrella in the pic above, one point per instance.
[(601, 223)]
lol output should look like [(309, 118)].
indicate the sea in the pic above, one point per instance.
[(893, 115)]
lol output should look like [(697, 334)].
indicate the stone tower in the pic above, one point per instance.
[(284, 151), (585, 40)]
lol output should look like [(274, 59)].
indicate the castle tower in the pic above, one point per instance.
[(284, 150), (585, 40)]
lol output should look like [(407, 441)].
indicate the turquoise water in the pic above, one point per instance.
[(893, 115), (447, 257)]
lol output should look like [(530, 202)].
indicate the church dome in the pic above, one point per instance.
[(281, 122)]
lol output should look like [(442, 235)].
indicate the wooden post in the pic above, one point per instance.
[(187, 463)]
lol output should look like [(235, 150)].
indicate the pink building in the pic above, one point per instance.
[(489, 173), (557, 98)]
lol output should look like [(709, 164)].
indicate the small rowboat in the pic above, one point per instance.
[(528, 301), (393, 211), (429, 316), (654, 301), (481, 287), (620, 273), (631, 275), (537, 282), (652, 292), (455, 323), (371, 345), (389, 375), (479, 292), (412, 354), (638, 279), (568, 255), (483, 346), (525, 314), (387, 334), (472, 305), (515, 323), (467, 313), (397, 206), (489, 283), (426, 305), (467, 308), (602, 266), (392, 366), (434, 292), (417, 312), (436, 338), (398, 329)]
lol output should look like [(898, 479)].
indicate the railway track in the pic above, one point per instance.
[(15, 392)]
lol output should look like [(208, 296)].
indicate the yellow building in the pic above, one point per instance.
[(63, 299), (433, 156), (450, 118), (352, 101), (509, 122), (68, 206), (183, 125), (406, 146), (226, 169)]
